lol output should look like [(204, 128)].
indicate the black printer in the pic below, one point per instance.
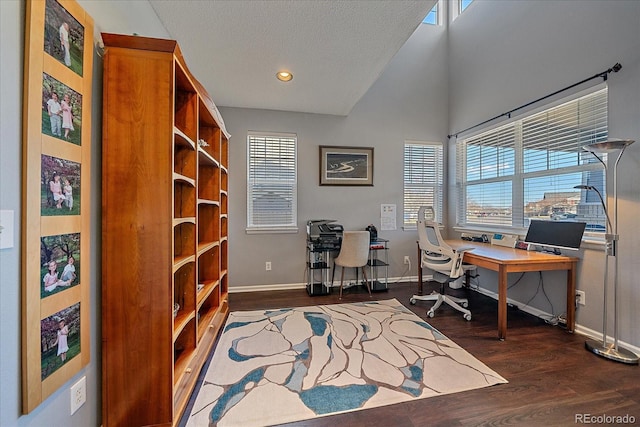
[(324, 235)]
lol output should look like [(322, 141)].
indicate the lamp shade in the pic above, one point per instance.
[(609, 145)]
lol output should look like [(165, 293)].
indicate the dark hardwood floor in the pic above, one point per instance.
[(552, 377)]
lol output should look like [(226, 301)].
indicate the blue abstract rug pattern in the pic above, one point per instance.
[(277, 366)]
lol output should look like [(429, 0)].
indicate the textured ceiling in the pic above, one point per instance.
[(336, 49)]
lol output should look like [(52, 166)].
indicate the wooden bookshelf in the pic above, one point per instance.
[(164, 231)]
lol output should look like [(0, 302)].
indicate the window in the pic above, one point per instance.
[(528, 168), (423, 180), (271, 182), (432, 16), (463, 4)]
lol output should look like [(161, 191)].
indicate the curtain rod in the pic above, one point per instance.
[(617, 67)]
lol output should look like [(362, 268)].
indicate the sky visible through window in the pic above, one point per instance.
[(432, 16), (464, 4)]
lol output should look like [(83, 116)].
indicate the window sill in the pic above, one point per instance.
[(271, 230), (588, 241), (490, 230)]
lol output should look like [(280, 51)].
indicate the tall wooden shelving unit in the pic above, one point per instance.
[(164, 231)]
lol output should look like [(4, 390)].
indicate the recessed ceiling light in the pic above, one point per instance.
[(284, 76)]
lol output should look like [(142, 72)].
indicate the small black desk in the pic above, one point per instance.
[(320, 261)]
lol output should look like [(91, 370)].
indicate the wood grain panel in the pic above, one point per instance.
[(137, 211)]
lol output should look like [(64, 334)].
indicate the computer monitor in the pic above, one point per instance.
[(555, 234)]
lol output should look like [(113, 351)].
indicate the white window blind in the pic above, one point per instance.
[(423, 180), (528, 168), (271, 182)]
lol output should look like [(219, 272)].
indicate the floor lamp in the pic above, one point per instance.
[(602, 348)]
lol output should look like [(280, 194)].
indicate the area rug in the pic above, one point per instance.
[(292, 364)]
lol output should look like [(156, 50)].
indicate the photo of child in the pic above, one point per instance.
[(69, 272), (63, 347), (50, 280), (59, 339), (67, 190), (60, 193), (54, 109), (56, 190), (61, 111), (67, 115), (55, 252)]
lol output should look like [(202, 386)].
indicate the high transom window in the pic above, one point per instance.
[(432, 16)]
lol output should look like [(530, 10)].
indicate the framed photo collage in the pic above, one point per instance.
[(56, 196)]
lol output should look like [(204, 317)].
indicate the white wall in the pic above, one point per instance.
[(408, 102), (505, 54), (123, 17)]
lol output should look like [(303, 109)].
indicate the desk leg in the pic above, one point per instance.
[(419, 271), (571, 298), (502, 303)]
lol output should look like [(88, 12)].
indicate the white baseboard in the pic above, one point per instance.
[(262, 288), (598, 336), (291, 286), (527, 309), (579, 329)]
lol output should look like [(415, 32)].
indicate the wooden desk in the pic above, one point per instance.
[(507, 260)]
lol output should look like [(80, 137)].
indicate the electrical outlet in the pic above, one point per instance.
[(580, 298), (407, 260), (267, 265), (78, 394)]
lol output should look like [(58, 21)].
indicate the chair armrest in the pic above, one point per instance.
[(463, 249)]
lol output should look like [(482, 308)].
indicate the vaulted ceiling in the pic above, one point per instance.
[(336, 49)]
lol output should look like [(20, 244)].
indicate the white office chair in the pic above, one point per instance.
[(444, 261), (354, 252)]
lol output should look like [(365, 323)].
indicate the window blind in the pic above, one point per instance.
[(271, 181), (423, 180), (528, 168)]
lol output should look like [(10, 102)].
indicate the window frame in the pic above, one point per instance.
[(518, 178), (439, 185), (291, 227), (461, 7), (438, 8), (456, 8)]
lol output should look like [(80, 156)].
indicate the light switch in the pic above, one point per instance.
[(6, 229)]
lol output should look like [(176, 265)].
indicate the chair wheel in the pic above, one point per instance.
[(412, 301), (430, 313), (465, 304), (467, 317)]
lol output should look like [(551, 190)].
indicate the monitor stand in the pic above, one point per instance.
[(554, 251)]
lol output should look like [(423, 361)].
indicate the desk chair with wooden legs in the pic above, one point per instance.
[(444, 261), (354, 252)]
